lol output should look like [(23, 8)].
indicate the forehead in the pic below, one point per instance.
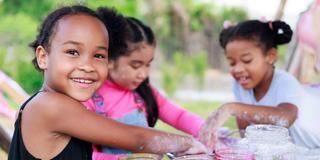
[(142, 52), (242, 47), (80, 26)]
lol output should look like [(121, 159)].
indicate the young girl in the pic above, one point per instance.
[(264, 94), (126, 95), (71, 52)]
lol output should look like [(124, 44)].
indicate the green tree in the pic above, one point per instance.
[(16, 32), (34, 8)]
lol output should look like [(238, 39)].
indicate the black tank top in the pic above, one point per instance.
[(76, 149)]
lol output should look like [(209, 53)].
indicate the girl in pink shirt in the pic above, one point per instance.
[(126, 95)]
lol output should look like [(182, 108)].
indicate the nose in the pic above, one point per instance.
[(237, 68), (86, 64), (143, 74)]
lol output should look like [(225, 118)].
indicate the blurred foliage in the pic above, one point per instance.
[(34, 8), (200, 65), (233, 14), (174, 73), (126, 7), (20, 19), (282, 50), (16, 32)]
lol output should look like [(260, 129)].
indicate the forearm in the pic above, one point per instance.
[(282, 115), (140, 139)]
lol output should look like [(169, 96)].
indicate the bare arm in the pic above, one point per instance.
[(69, 117), (284, 115)]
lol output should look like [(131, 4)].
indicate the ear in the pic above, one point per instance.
[(42, 57), (272, 56)]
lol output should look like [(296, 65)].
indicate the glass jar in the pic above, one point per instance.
[(269, 142), (141, 156), (233, 154), (194, 157)]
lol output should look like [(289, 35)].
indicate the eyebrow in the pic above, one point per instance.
[(245, 54), (137, 61), (103, 48), (72, 42), (140, 62), (80, 44)]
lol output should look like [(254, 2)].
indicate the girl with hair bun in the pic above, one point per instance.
[(263, 93)]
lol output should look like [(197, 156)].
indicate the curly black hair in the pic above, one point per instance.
[(267, 34), (48, 27)]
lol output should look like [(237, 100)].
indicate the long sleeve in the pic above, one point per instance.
[(177, 117)]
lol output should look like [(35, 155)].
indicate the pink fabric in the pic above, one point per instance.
[(118, 102), (306, 30), (4, 106), (103, 156), (5, 109)]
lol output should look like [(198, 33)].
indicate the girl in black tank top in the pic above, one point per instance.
[(72, 53), (76, 149)]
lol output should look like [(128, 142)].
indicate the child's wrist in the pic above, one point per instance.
[(230, 108)]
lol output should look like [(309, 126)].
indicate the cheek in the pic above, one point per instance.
[(103, 70), (120, 74)]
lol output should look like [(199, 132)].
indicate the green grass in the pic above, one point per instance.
[(201, 108)]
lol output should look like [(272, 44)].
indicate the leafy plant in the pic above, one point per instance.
[(174, 73), (199, 62)]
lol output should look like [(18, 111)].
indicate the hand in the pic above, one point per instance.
[(196, 148), (208, 133)]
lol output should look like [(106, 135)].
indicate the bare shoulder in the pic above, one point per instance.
[(51, 104)]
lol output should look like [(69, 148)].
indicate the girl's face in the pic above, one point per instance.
[(76, 62), (249, 66), (130, 71)]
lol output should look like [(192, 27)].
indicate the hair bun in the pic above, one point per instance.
[(282, 32)]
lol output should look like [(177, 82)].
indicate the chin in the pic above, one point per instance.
[(81, 97), (246, 87)]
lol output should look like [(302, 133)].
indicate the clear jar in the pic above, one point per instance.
[(269, 142), (194, 157), (233, 154)]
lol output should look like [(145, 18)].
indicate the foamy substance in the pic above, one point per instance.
[(258, 117), (269, 142), (209, 131), (175, 144)]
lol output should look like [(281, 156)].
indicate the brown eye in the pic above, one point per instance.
[(100, 56), (72, 52)]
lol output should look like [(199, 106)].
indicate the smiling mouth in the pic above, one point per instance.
[(243, 80), (83, 82)]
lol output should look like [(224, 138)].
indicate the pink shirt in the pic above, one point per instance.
[(115, 102)]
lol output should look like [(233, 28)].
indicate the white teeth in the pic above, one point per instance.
[(82, 81), (243, 78)]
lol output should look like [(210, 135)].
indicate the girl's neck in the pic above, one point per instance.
[(262, 88), (46, 88)]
